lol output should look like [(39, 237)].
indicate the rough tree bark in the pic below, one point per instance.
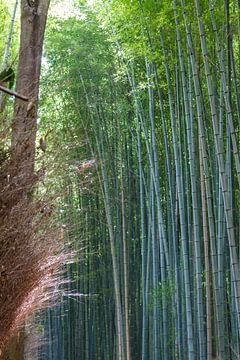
[(24, 127), (24, 124)]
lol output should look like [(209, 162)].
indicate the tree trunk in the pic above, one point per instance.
[(21, 177), (24, 124)]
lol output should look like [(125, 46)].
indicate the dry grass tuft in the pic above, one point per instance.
[(29, 268)]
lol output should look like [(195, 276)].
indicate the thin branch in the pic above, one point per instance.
[(13, 93)]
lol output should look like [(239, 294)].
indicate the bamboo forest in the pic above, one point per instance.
[(119, 179)]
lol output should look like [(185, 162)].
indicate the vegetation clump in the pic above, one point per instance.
[(28, 242)]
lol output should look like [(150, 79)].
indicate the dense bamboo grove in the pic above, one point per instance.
[(153, 192), (145, 107)]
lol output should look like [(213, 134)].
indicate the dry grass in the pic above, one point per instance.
[(32, 343), (28, 267)]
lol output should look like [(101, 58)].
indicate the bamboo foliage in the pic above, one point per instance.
[(4, 63), (160, 118)]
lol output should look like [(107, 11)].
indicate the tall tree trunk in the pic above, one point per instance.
[(24, 126)]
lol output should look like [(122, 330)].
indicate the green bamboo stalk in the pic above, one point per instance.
[(207, 261), (235, 82), (107, 205), (7, 49), (149, 74), (179, 180), (176, 278), (125, 262), (226, 200), (113, 249), (144, 244), (196, 226), (226, 90), (9, 38)]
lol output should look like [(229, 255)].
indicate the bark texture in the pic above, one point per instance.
[(22, 254), (24, 125)]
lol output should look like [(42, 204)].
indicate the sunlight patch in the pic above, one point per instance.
[(64, 9)]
